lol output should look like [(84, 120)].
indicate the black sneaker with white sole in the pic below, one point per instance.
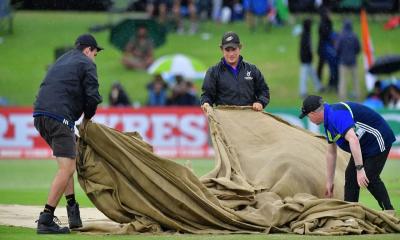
[(47, 225)]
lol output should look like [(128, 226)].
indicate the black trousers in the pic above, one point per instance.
[(373, 167), (320, 68)]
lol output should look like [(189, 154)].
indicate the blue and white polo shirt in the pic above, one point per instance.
[(372, 130)]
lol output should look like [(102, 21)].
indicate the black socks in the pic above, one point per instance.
[(49, 209), (70, 200)]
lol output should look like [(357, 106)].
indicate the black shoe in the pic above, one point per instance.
[(74, 217), (46, 225)]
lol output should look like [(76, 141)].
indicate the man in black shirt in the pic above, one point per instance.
[(69, 89), (233, 81)]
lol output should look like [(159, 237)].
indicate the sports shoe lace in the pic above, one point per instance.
[(56, 220)]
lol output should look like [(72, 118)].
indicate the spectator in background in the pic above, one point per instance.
[(158, 8), (256, 9), (376, 91), (183, 95), (231, 11), (306, 69), (348, 47), (226, 14), (374, 99), (191, 88), (138, 53), (185, 8), (216, 10), (282, 12), (203, 8), (326, 49), (176, 89), (237, 11), (157, 92), (118, 96), (324, 29), (394, 97)]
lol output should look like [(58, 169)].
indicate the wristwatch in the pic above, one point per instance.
[(359, 167)]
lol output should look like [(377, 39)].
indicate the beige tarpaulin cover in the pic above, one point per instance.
[(266, 177)]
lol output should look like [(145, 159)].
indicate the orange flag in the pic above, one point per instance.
[(368, 50)]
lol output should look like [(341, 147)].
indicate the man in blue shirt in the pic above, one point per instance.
[(360, 131)]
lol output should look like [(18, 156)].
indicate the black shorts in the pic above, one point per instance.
[(59, 136)]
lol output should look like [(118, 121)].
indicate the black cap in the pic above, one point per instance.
[(310, 103), (230, 39), (88, 40)]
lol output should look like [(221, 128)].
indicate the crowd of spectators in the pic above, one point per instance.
[(385, 94), (181, 92), (338, 49), (266, 12)]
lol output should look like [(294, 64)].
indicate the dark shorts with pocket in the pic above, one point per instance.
[(59, 136)]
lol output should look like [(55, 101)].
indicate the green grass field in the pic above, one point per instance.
[(27, 183), (30, 234), (26, 53)]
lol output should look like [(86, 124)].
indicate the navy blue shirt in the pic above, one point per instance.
[(70, 88), (372, 130)]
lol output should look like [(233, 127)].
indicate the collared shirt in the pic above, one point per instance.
[(372, 130), (241, 87), (235, 70)]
